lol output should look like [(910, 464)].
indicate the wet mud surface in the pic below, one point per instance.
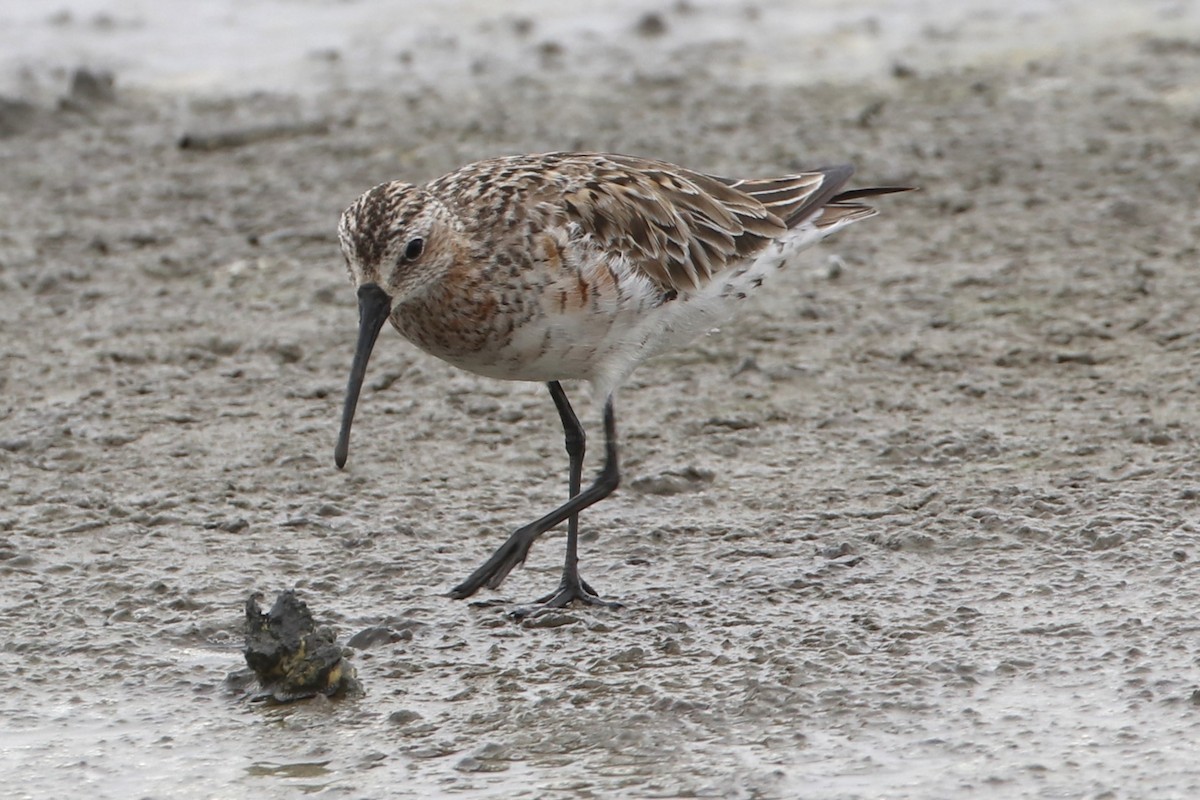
[(921, 522)]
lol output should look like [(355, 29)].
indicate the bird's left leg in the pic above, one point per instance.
[(572, 587)]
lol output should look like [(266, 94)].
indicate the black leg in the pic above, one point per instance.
[(576, 443), (572, 587), (512, 553)]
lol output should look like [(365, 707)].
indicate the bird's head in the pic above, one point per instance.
[(398, 237), (398, 241)]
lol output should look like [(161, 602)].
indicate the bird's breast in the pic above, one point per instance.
[(558, 316)]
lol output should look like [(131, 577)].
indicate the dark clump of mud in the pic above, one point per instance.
[(293, 658)]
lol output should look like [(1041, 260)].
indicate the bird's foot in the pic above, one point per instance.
[(492, 572), (573, 589)]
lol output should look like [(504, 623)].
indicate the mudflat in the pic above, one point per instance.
[(921, 522)]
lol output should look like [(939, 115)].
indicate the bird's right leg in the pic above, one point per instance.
[(576, 443)]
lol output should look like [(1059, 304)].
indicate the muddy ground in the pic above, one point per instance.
[(921, 523)]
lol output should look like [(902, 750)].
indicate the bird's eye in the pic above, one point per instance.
[(414, 248)]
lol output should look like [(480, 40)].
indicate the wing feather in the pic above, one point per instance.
[(677, 227)]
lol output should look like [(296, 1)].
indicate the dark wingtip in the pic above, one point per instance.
[(875, 191), (835, 176)]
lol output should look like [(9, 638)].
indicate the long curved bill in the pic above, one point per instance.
[(374, 307)]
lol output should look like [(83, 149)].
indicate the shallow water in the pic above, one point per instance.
[(933, 529), (314, 47)]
